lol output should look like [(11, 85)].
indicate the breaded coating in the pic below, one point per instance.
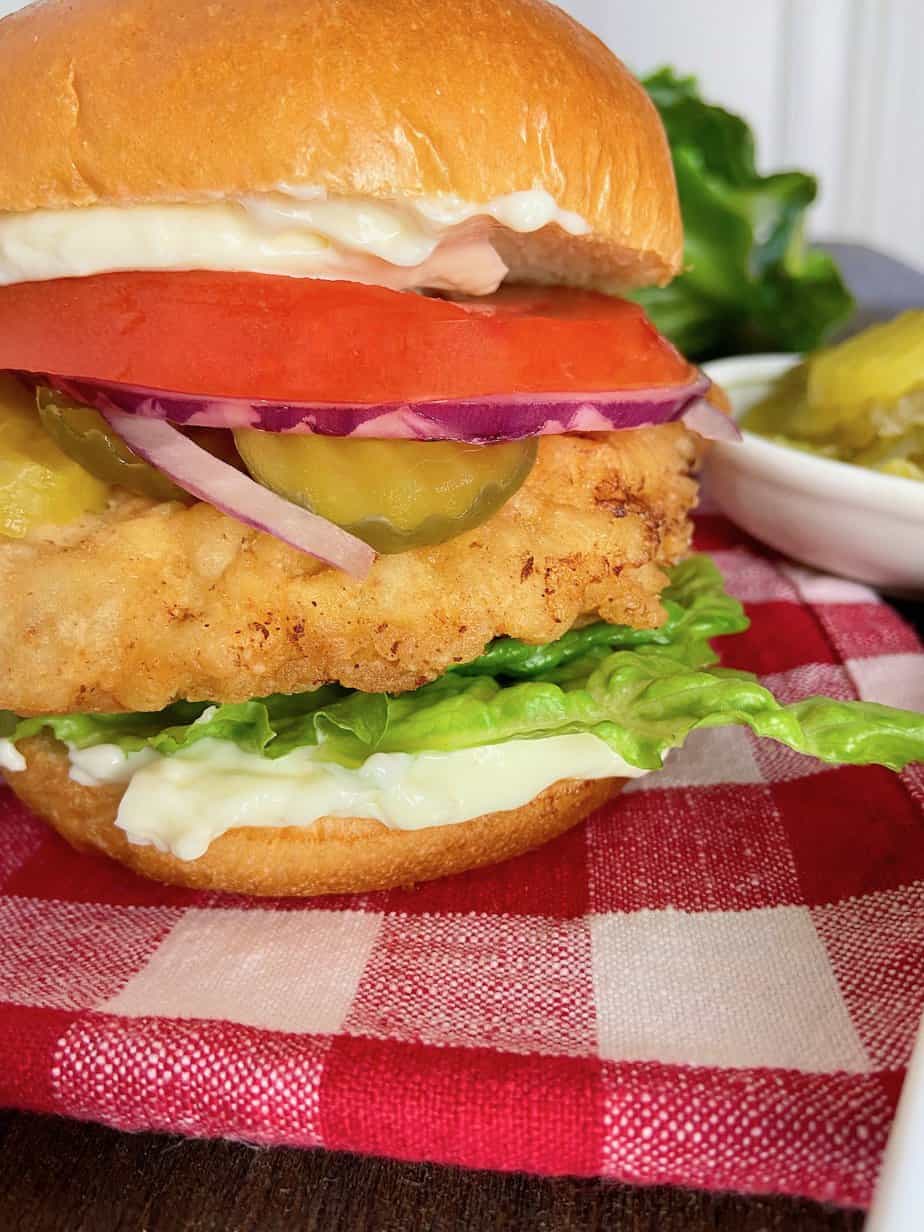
[(152, 603)]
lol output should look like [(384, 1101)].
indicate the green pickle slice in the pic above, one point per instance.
[(83, 434), (395, 495)]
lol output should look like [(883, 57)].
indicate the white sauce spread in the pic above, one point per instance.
[(442, 243), (10, 757), (106, 763), (182, 803)]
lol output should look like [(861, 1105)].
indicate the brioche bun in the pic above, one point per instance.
[(334, 855), (127, 101)]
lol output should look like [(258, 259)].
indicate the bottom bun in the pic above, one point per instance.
[(334, 855)]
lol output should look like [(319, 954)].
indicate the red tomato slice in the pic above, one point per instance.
[(308, 340)]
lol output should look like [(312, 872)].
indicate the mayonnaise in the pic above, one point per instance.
[(106, 763), (10, 757), (183, 803), (442, 243)]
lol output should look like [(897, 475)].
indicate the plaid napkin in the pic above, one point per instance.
[(714, 982)]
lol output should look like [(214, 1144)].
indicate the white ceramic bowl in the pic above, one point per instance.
[(840, 518)]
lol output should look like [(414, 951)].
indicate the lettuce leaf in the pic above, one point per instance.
[(697, 609), (750, 281), (641, 691)]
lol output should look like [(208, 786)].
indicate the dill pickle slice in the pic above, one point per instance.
[(395, 495), (881, 364), (83, 434), (39, 484), (782, 411)]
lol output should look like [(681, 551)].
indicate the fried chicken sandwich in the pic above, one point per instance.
[(345, 499)]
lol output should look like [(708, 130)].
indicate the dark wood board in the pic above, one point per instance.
[(63, 1176)]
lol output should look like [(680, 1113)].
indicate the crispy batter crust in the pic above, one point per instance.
[(334, 855), (151, 604)]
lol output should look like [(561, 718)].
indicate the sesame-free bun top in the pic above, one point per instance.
[(121, 102)]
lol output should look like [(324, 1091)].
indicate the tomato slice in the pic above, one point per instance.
[(308, 340)]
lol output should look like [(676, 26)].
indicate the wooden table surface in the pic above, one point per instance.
[(61, 1176)]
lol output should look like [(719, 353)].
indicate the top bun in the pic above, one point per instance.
[(129, 101)]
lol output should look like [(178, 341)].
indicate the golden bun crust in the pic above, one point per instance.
[(123, 101), (147, 604), (335, 855)]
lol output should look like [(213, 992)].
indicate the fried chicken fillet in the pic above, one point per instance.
[(150, 603)]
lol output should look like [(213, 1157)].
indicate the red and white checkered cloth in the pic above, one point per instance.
[(714, 982)]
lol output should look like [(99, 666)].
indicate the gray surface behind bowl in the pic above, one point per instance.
[(881, 285)]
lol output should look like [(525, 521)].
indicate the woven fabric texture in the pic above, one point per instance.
[(713, 982)]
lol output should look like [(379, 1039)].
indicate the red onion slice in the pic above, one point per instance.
[(477, 420), (215, 482), (710, 422)]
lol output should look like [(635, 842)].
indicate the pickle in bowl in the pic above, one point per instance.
[(861, 401)]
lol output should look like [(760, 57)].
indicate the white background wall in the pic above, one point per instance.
[(831, 86)]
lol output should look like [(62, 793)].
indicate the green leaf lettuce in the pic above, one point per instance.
[(750, 283)]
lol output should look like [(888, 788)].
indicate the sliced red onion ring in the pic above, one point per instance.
[(215, 482), (482, 420), (710, 422)]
